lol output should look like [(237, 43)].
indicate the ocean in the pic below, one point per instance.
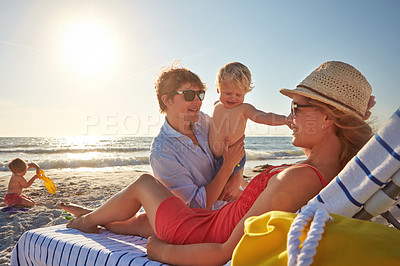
[(89, 153)]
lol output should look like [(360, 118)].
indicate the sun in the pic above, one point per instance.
[(87, 46)]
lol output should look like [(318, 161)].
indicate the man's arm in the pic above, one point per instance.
[(262, 117), (232, 156), (178, 180)]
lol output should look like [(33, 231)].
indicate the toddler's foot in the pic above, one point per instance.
[(74, 209), (83, 225)]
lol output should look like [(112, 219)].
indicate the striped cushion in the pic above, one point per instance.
[(366, 173), (58, 245)]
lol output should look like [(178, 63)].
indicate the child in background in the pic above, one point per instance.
[(14, 196), (230, 114)]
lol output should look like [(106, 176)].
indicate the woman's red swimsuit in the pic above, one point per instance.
[(177, 224)]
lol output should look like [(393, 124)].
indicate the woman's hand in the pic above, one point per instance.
[(156, 249)]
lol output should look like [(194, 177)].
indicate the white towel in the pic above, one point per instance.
[(367, 172)]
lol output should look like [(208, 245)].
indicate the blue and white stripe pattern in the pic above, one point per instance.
[(366, 173), (58, 245)]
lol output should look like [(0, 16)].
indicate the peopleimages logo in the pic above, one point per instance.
[(131, 124), (114, 123)]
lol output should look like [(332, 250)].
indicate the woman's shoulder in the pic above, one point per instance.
[(299, 173)]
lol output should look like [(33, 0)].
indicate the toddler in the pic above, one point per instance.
[(14, 196), (230, 114)]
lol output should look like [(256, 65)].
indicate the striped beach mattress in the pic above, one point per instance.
[(58, 245)]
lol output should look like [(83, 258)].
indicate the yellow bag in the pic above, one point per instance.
[(345, 241)]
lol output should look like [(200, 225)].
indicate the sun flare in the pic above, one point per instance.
[(87, 46)]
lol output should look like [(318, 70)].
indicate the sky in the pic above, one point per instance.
[(76, 68)]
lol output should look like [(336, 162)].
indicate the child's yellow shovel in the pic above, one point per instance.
[(48, 183)]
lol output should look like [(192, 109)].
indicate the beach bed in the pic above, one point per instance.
[(58, 245)]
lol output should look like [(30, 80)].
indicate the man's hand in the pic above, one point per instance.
[(231, 189), (234, 153), (232, 156)]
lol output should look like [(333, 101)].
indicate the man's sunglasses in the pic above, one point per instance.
[(296, 106), (190, 94)]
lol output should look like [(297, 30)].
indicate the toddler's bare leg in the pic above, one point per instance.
[(26, 203)]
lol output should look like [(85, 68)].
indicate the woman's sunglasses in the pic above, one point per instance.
[(190, 94), (296, 106)]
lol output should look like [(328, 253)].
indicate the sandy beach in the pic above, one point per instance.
[(85, 187)]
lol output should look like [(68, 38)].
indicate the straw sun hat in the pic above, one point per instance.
[(337, 84)]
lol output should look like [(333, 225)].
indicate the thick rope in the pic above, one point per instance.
[(308, 251)]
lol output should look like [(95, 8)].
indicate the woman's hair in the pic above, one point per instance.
[(237, 73), (171, 78), (18, 166), (352, 131)]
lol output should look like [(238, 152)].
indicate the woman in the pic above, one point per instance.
[(324, 119)]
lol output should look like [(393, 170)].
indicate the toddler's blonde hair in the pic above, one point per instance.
[(237, 73), (18, 166)]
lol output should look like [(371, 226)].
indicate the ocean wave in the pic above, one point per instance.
[(92, 163), (118, 156), (263, 155), (73, 150)]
